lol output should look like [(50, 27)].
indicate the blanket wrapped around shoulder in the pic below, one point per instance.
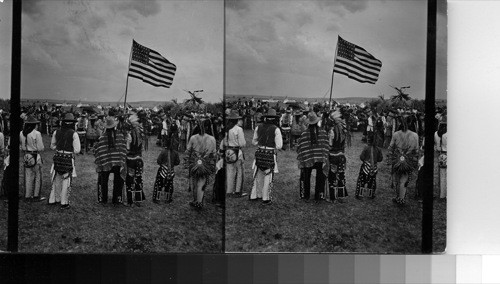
[(403, 161), (201, 164)]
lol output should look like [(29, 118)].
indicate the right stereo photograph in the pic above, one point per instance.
[(325, 116)]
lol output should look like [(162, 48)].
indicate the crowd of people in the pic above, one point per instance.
[(213, 149), (320, 136), (117, 138)]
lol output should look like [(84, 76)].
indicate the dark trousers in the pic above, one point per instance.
[(305, 182), (117, 185)]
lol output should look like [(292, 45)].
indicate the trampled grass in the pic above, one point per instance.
[(292, 225), (88, 227)]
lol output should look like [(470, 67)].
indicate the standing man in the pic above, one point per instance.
[(66, 143), (135, 164), (232, 146), (403, 157), (267, 137), (81, 129), (336, 175), (201, 151)]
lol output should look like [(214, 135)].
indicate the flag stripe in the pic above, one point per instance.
[(354, 73), (149, 77), (358, 66), (151, 82), (361, 52), (350, 75), (356, 63), (162, 60), (351, 70), (151, 67)]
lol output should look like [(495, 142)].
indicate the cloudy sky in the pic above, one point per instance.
[(80, 49), (287, 48)]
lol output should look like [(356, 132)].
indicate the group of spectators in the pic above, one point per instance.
[(320, 136), (117, 138)]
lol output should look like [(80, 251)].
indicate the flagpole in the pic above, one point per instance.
[(126, 84), (333, 72)]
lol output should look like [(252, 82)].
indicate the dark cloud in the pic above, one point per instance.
[(237, 5), (144, 8), (351, 6), (32, 7)]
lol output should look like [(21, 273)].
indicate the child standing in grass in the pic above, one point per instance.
[(164, 183), (371, 155)]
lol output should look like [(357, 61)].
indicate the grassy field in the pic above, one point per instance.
[(88, 227), (292, 225)]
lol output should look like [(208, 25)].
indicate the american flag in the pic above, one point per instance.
[(149, 66), (356, 63)]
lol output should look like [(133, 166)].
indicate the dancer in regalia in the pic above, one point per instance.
[(403, 157), (164, 182), (267, 137), (337, 140), (135, 164), (201, 159), (66, 143)]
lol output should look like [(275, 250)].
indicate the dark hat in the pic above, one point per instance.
[(31, 119), (312, 118), (93, 117), (110, 122), (271, 113), (69, 117)]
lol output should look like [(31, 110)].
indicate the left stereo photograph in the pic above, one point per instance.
[(121, 107)]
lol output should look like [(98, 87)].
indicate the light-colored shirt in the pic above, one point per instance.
[(33, 142), (236, 137), (441, 144)]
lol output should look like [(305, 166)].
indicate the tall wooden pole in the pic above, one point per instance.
[(428, 168), (333, 69), (126, 84), (15, 128)]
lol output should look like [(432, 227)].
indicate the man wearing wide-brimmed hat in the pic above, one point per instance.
[(267, 137), (312, 153), (232, 146), (110, 157), (66, 143), (32, 145)]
